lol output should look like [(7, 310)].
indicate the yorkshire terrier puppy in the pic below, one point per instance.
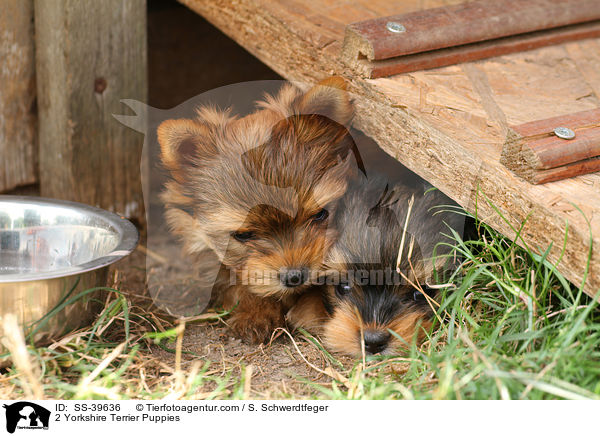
[(260, 192), (379, 269)]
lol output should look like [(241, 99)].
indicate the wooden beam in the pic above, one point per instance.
[(447, 125), (464, 32), (90, 55), (464, 53), (18, 116), (464, 23)]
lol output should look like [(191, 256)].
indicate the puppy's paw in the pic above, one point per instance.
[(309, 312), (255, 320), (252, 330)]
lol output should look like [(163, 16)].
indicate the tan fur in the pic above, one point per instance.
[(319, 100), (341, 332), (406, 326), (267, 173), (282, 104), (365, 304), (308, 312)]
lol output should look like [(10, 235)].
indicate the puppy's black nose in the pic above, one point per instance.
[(376, 341), (292, 277)]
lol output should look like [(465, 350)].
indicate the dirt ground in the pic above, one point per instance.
[(160, 271), (157, 272), (278, 369)]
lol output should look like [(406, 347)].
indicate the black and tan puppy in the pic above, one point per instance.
[(261, 192), (379, 269)]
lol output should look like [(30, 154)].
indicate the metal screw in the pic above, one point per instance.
[(564, 133), (394, 27)]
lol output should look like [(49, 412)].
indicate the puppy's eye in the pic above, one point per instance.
[(342, 290), (243, 236), (321, 215), (418, 295)]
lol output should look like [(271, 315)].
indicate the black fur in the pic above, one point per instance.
[(372, 215)]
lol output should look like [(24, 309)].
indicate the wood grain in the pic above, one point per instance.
[(534, 152), (552, 152), (465, 23), (18, 128), (90, 55), (586, 166), (436, 122), (463, 53)]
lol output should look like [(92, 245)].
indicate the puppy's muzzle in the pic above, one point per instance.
[(376, 341), (292, 277)]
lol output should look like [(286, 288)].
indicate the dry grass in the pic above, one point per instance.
[(510, 326), (135, 351)]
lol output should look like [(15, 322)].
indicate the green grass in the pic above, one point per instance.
[(513, 328), (510, 327)]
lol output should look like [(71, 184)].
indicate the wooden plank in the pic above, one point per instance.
[(449, 125), (538, 177), (18, 128), (552, 152), (534, 152), (546, 126), (466, 23), (89, 55), (536, 143), (466, 53)]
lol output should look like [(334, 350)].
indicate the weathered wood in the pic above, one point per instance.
[(534, 152), (552, 152), (18, 128), (538, 177), (90, 55), (579, 120), (465, 53), (465, 23), (449, 124)]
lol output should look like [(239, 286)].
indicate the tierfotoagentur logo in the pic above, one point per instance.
[(258, 206), (362, 277), (24, 415)]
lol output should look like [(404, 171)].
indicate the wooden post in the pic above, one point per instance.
[(90, 55), (17, 95)]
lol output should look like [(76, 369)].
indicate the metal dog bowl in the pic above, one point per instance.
[(51, 251)]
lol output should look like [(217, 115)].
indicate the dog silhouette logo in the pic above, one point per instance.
[(26, 415)]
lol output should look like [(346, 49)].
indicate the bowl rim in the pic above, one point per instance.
[(128, 238)]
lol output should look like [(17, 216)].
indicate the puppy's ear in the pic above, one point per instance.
[(184, 144), (328, 98)]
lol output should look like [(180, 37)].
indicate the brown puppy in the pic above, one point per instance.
[(260, 192), (368, 293)]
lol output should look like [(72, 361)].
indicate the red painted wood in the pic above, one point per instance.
[(567, 171), (543, 157), (481, 50), (449, 26), (553, 151), (573, 121)]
